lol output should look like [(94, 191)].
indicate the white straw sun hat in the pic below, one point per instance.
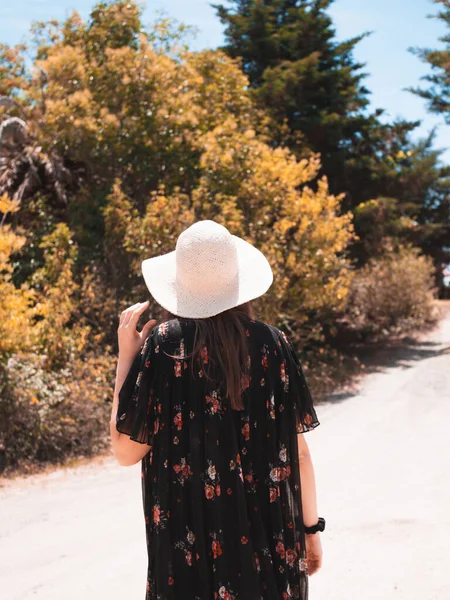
[(209, 271)]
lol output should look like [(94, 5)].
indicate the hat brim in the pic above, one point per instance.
[(254, 277)]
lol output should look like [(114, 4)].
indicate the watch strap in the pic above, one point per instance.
[(319, 526)]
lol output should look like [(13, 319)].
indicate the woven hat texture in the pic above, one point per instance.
[(209, 271)]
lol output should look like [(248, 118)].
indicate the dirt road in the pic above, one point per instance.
[(382, 460)]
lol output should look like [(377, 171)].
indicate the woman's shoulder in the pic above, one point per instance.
[(176, 329), (172, 330), (266, 332)]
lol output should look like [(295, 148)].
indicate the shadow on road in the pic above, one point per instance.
[(402, 352)]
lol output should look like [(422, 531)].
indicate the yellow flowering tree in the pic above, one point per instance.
[(16, 312), (115, 141)]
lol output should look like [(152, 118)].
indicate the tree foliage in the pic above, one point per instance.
[(117, 138), (121, 141), (313, 89), (437, 93)]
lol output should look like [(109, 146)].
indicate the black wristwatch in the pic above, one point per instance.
[(319, 526)]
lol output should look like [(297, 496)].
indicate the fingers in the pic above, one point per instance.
[(125, 314), (148, 327), (130, 315)]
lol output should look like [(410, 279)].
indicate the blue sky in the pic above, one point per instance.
[(396, 25)]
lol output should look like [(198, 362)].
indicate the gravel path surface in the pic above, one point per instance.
[(382, 461)]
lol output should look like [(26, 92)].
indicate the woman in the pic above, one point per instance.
[(211, 400)]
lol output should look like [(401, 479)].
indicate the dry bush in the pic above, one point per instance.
[(392, 294), (52, 416)]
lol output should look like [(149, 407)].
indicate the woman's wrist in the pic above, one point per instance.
[(319, 526)]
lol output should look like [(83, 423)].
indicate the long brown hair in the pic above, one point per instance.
[(224, 335)]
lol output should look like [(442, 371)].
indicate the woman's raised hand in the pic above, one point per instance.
[(130, 339)]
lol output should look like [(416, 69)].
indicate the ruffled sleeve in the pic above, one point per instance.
[(300, 399), (135, 395)]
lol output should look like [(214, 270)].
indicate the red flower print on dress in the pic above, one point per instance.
[(212, 471), (288, 593), (190, 537), (284, 376), (246, 431), (265, 357), (214, 403), (257, 563), (216, 548), (279, 473), (183, 470), (303, 564), (218, 492), (156, 514), (179, 366), (178, 420), (291, 556), (163, 329), (170, 581), (226, 594), (280, 549), (211, 478), (271, 406), (273, 494), (244, 540), (204, 355), (308, 419), (209, 491), (187, 546), (276, 474)]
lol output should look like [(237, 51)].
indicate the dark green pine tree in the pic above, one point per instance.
[(415, 207), (436, 211), (438, 92), (313, 87)]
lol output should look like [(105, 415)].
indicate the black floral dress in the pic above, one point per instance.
[(221, 488)]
